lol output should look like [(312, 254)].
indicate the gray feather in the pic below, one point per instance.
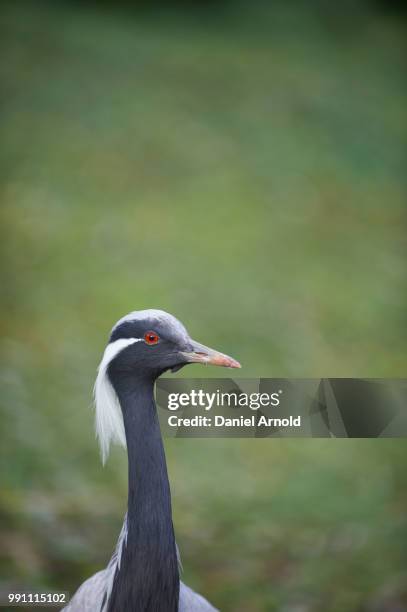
[(89, 597), (93, 595)]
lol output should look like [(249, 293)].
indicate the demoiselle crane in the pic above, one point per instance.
[(143, 573)]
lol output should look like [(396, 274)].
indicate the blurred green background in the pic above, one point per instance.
[(241, 165)]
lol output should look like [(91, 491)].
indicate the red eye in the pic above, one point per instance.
[(151, 337)]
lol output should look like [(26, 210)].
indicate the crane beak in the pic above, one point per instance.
[(203, 354)]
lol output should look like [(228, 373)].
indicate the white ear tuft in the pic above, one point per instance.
[(109, 419)]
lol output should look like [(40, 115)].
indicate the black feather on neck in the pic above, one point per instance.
[(148, 577)]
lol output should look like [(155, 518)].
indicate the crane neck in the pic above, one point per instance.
[(147, 577)]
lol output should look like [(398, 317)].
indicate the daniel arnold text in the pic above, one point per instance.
[(221, 421)]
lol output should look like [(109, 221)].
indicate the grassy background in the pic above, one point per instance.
[(244, 168)]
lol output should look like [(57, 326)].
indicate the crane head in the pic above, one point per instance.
[(158, 342), (144, 344)]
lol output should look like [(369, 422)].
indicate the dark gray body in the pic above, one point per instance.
[(90, 597)]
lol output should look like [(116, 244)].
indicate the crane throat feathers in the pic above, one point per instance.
[(108, 415)]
